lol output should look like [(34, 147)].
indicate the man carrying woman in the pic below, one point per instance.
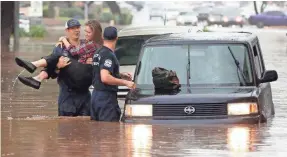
[(68, 63)]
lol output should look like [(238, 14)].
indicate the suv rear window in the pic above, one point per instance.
[(128, 49)]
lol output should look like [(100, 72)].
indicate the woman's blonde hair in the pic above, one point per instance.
[(97, 30)]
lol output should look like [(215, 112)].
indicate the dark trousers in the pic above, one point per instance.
[(104, 106), (73, 103)]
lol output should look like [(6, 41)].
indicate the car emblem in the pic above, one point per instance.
[(189, 110)]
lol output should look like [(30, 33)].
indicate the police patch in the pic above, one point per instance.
[(108, 63)]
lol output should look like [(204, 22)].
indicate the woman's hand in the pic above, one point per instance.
[(62, 38), (59, 43)]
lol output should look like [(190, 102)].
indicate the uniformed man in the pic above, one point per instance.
[(104, 105)]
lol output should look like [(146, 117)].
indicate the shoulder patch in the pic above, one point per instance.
[(108, 63)]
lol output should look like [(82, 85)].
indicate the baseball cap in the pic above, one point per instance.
[(110, 33), (72, 23)]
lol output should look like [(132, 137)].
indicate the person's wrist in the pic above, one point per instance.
[(125, 82)]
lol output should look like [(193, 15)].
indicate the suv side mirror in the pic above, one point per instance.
[(269, 76)]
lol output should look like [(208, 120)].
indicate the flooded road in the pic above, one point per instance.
[(30, 126)]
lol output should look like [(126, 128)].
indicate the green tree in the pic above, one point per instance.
[(262, 8)]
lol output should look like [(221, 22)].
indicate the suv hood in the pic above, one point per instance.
[(194, 95)]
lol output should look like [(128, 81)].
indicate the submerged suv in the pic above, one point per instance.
[(222, 75)]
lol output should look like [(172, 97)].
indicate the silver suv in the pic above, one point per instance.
[(129, 45)]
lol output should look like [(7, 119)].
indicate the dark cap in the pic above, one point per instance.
[(72, 23), (110, 33)]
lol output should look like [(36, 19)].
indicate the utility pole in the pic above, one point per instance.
[(164, 20), (86, 11), (16, 35)]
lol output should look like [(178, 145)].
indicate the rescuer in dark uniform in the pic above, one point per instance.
[(104, 104)]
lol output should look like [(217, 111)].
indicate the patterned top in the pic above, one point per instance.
[(84, 51)]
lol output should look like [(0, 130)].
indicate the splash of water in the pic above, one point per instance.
[(17, 78), (13, 90)]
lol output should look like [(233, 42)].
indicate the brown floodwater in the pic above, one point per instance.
[(30, 126)]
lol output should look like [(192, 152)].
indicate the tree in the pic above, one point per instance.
[(7, 24), (255, 7), (111, 4), (114, 7), (262, 8)]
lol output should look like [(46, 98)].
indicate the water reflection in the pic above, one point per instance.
[(141, 136), (81, 137), (239, 139), (193, 140)]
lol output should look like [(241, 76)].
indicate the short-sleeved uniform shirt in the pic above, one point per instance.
[(105, 59)]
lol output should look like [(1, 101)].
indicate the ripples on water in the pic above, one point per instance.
[(30, 124)]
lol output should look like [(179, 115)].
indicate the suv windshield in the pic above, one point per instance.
[(128, 49), (210, 64)]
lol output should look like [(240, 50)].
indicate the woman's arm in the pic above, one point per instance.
[(82, 49), (66, 43)]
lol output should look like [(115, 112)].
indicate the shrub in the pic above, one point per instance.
[(118, 19), (46, 12), (72, 12), (23, 33), (91, 16), (126, 19), (123, 19), (205, 29), (106, 17), (35, 32)]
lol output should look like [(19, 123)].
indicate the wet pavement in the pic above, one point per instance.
[(30, 126)]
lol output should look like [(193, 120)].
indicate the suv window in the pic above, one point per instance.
[(128, 49), (210, 64), (258, 60)]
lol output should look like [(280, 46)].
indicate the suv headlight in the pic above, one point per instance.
[(138, 110), (242, 108)]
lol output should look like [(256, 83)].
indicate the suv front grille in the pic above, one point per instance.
[(199, 109)]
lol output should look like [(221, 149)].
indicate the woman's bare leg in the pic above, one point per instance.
[(42, 76), (40, 63)]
